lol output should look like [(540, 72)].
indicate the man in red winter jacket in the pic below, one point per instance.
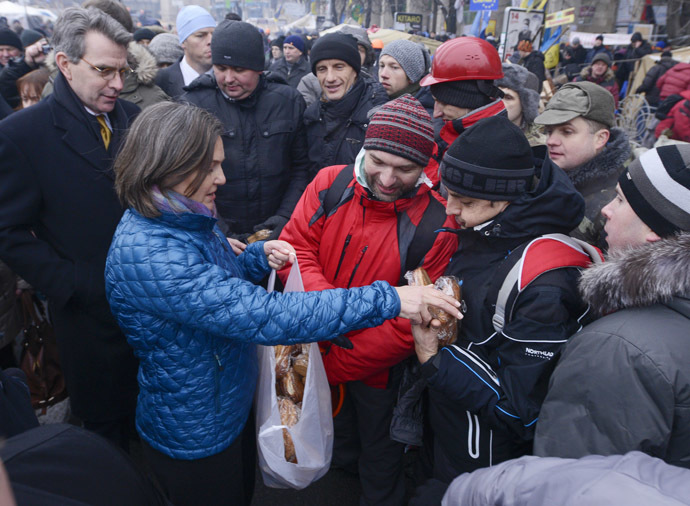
[(370, 234), (676, 125), (674, 81)]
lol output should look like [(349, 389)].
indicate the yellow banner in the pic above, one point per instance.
[(564, 17)]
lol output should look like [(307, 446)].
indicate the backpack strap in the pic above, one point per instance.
[(543, 254), (424, 235), (337, 189)]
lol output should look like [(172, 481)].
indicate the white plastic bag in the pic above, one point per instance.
[(312, 435)]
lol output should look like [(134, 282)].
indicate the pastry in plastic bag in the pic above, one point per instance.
[(289, 415), (418, 277), (261, 235), (300, 364), (283, 354), (448, 331), (292, 385)]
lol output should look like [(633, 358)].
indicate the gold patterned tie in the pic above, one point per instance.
[(105, 131)]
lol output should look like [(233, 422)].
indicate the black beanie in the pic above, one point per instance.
[(464, 94), (144, 33), (492, 160), (337, 46), (237, 44), (30, 36), (9, 38)]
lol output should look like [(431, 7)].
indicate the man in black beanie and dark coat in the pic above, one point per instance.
[(336, 124), (485, 391), (266, 163)]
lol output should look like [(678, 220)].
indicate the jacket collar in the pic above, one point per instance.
[(84, 139), (452, 129), (650, 274), (187, 221)]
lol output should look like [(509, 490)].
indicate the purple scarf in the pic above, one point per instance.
[(173, 202)]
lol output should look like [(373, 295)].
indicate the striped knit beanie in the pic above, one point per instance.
[(657, 187), (402, 127)]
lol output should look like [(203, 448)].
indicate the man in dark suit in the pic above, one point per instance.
[(194, 28), (58, 211)]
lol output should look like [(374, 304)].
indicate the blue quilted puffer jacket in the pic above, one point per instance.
[(190, 310)]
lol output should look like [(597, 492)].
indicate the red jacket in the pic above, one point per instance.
[(674, 81), (678, 120), (355, 246)]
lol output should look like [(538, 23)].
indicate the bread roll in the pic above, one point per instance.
[(289, 415), (448, 332), (283, 360), (292, 385), (300, 364), (417, 277)]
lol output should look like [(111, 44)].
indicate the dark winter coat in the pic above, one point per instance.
[(58, 185), (266, 164), (8, 81), (336, 129), (10, 313), (649, 84), (608, 81), (596, 180), (292, 75), (623, 382), (170, 80), (674, 81), (534, 62), (193, 315), (579, 54), (595, 51), (486, 390), (632, 54), (677, 120)]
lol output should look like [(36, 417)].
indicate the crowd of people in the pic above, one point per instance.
[(161, 157)]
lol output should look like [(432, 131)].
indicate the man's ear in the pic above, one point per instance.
[(601, 137), (651, 236), (63, 63)]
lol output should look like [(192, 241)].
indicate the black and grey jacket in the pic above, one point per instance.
[(485, 391), (623, 382), (596, 180)]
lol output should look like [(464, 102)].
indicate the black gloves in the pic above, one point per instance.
[(275, 224)]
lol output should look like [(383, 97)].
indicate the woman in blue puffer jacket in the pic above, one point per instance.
[(186, 300)]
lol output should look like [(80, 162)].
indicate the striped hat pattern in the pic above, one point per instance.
[(402, 127), (657, 187)]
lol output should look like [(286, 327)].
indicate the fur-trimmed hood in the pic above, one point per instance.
[(143, 62), (605, 164), (638, 277), (138, 57)]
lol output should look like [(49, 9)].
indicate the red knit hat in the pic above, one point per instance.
[(402, 127)]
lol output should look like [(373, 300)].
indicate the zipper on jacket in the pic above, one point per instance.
[(342, 256), (217, 371), (354, 271), (223, 242)]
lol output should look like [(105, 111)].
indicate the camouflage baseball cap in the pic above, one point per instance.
[(585, 99)]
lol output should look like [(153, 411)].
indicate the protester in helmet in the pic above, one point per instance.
[(462, 83)]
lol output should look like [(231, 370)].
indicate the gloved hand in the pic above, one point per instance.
[(275, 224), (343, 342)]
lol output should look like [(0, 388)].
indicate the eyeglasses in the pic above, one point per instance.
[(108, 73)]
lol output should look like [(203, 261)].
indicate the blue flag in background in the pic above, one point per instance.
[(481, 21)]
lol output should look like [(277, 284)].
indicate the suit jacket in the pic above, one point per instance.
[(58, 213), (170, 80)]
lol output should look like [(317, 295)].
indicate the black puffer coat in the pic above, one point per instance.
[(648, 86), (335, 129), (266, 163)]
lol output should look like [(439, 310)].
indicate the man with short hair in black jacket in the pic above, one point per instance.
[(266, 163), (336, 123)]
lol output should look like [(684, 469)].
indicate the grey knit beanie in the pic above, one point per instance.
[(166, 48), (521, 80), (410, 56)]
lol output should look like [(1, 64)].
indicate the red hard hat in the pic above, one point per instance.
[(464, 59)]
